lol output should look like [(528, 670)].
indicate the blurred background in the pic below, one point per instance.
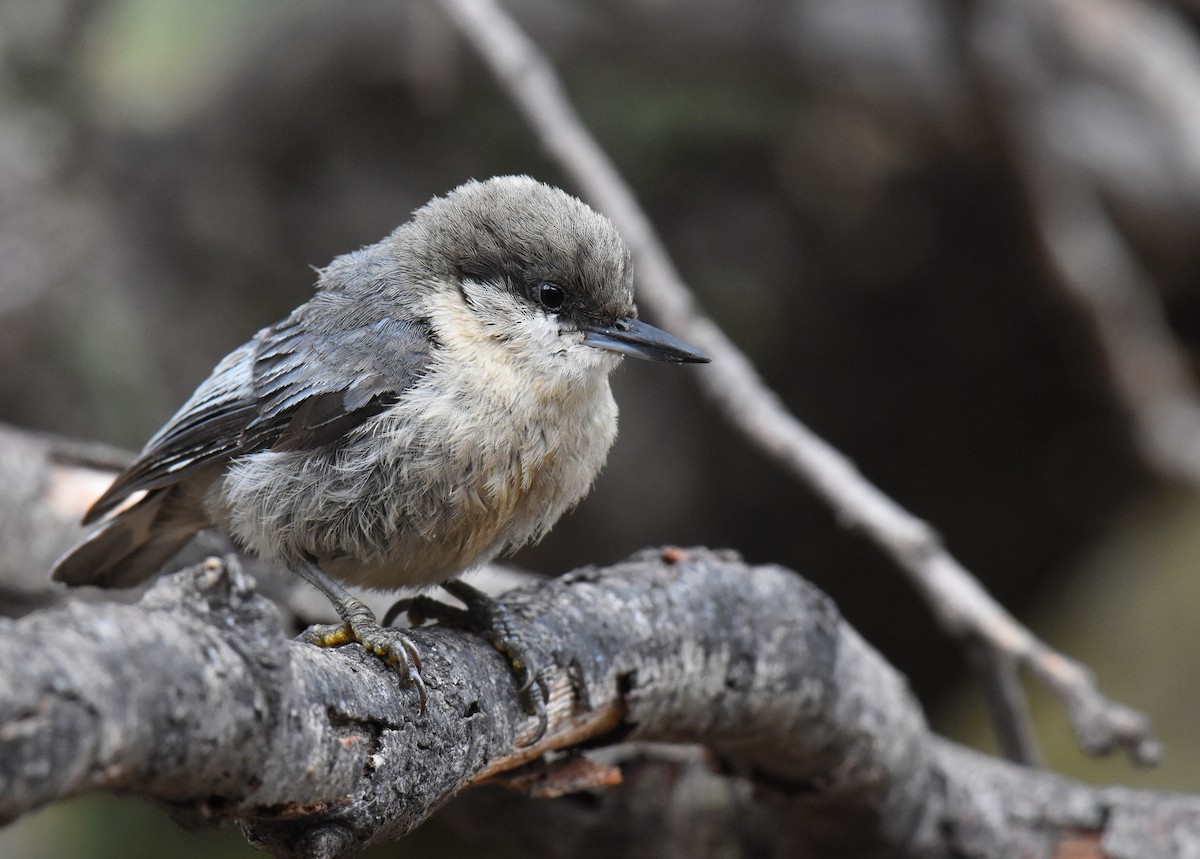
[(856, 190)]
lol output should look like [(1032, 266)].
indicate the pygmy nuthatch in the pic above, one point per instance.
[(443, 397)]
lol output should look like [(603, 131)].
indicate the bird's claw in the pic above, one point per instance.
[(391, 645), (492, 619)]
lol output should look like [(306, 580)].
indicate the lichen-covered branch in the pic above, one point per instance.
[(193, 697)]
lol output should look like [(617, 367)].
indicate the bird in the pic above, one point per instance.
[(443, 397)]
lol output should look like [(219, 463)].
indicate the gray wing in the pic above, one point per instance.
[(300, 384)]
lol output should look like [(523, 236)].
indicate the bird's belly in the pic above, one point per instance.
[(388, 524), (420, 508)]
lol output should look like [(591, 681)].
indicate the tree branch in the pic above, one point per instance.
[(194, 698), (960, 603)]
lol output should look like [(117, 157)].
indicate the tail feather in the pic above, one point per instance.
[(128, 548)]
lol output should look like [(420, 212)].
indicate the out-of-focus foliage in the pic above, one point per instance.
[(825, 175)]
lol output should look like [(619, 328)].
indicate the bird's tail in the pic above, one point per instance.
[(129, 547)]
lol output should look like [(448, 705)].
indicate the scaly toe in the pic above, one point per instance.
[(391, 646), (328, 635)]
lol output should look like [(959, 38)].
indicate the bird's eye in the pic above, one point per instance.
[(550, 295)]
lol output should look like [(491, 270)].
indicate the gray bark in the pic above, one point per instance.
[(194, 697)]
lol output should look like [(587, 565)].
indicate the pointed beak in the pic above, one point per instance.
[(631, 336)]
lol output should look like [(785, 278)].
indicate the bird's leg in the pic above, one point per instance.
[(493, 618), (359, 625)]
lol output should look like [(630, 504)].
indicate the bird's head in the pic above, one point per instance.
[(542, 273)]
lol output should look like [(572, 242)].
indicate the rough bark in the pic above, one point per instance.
[(194, 698)]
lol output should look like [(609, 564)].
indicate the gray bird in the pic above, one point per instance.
[(442, 398)]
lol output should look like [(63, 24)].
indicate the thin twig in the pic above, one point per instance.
[(961, 605), (1001, 681), (1155, 55)]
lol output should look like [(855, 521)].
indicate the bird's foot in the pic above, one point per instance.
[(491, 618), (359, 626), (391, 645)]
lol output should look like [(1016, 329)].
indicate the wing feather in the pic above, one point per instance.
[(300, 384)]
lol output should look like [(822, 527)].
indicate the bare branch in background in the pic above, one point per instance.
[(961, 605), (1020, 48)]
